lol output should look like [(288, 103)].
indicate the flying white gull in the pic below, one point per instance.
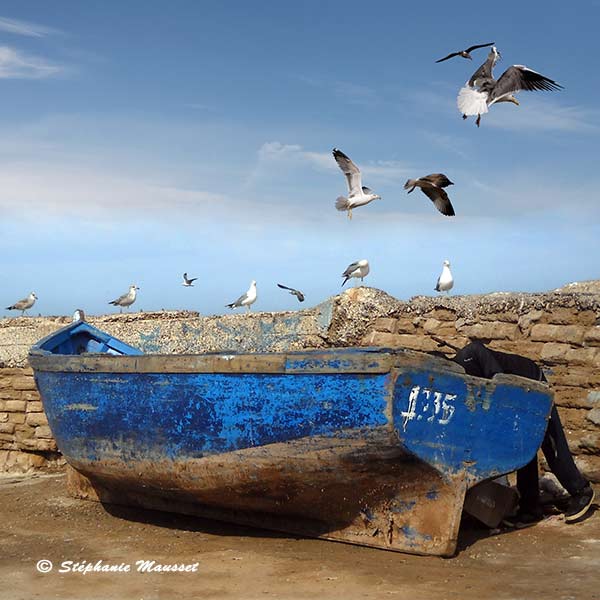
[(358, 195), (464, 53), (445, 280), (431, 186), (24, 304), (293, 292), (188, 282), (246, 299), (482, 90), (357, 269), (126, 299)]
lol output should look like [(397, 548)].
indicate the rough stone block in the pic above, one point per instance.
[(385, 324), (14, 406), (594, 416), (589, 467), (3, 417), (7, 427), (24, 432), (584, 356), (16, 418), (416, 342), (554, 353), (528, 319), (38, 445), (10, 394), (491, 330), (441, 314), (405, 326), (43, 431), (36, 419), (592, 336), (381, 338), (35, 407), (23, 382), (593, 398), (30, 396), (504, 316), (590, 443), (564, 334)]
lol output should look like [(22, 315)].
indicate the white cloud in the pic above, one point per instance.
[(18, 65), (294, 154), (38, 189), (543, 114), (25, 28)]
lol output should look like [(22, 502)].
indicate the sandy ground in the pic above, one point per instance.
[(39, 521)]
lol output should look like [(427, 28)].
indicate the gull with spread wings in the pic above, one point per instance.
[(482, 90), (432, 186), (358, 195), (293, 292), (464, 53)]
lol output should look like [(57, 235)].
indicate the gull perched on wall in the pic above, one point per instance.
[(359, 269), (445, 280), (24, 304), (126, 299), (246, 299), (482, 90), (358, 195), (431, 186)]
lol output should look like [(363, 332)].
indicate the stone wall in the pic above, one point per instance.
[(26, 442), (560, 330)]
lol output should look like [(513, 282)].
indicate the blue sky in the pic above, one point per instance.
[(139, 140)]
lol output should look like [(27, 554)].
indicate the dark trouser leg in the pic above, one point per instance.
[(557, 453), (528, 486)]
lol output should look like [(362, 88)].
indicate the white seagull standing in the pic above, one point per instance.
[(78, 315), (246, 299), (358, 195), (357, 269), (126, 299), (482, 90), (188, 282), (445, 280), (24, 304)]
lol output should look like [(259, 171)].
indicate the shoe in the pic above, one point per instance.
[(579, 504), (523, 518)]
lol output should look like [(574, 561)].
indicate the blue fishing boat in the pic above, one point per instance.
[(371, 446)]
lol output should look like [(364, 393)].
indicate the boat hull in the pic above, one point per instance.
[(375, 448)]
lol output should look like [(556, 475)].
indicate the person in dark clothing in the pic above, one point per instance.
[(480, 361)]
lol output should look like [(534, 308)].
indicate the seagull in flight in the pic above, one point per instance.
[(188, 282), (293, 292), (24, 305), (246, 299), (432, 186), (358, 195), (482, 90), (445, 280), (359, 269), (464, 53), (126, 299)]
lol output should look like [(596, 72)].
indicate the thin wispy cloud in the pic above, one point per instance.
[(347, 91), (543, 114), (15, 64), (294, 154), (25, 28), (39, 189)]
